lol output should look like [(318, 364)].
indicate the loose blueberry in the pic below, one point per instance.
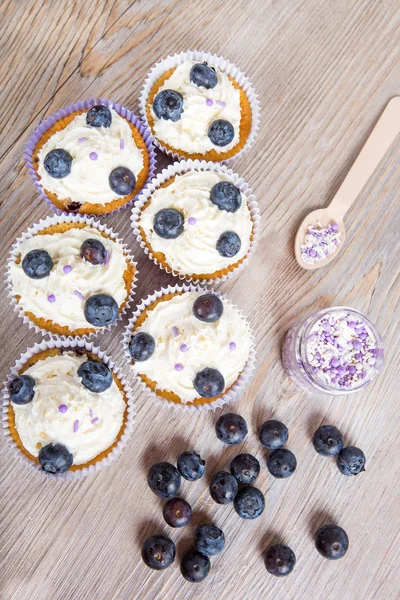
[(164, 480), (58, 163), (55, 458), (142, 346), (37, 264), (169, 223), (327, 440), (99, 116), (351, 461), (223, 487), (191, 465), (281, 463), (226, 196), (331, 541), (168, 105), (209, 540), (100, 310), (221, 132), (95, 375), (231, 428), (158, 552), (279, 560), (94, 252), (273, 434), (209, 383), (228, 244), (245, 468), (249, 502), (177, 512), (208, 308), (122, 181), (203, 76), (195, 566), (21, 389)]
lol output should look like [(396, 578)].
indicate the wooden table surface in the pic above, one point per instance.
[(324, 70)]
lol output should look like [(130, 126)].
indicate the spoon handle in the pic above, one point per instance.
[(381, 137)]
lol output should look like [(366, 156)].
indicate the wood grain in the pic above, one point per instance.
[(324, 70)]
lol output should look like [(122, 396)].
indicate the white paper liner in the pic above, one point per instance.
[(183, 166), (235, 390), (5, 401), (215, 61), (44, 224)]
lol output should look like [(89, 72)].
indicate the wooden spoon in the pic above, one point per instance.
[(382, 136)]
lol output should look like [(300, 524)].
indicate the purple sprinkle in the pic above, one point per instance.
[(93, 156), (363, 336), (183, 348), (209, 102), (341, 369), (121, 144), (91, 413), (77, 293), (334, 227), (67, 269), (357, 344), (81, 140), (232, 346), (352, 370), (326, 326), (335, 362), (175, 331), (220, 103), (51, 298), (359, 356), (63, 408), (178, 367), (76, 426), (192, 221), (351, 323), (93, 421), (107, 258)]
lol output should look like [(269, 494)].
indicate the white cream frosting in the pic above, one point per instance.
[(189, 133), (88, 179), (194, 251), (84, 278), (208, 345), (88, 427)]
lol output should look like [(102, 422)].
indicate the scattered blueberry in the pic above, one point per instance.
[(37, 264), (195, 566), (122, 181), (245, 468), (94, 252), (55, 458), (95, 375), (279, 560), (273, 434), (190, 465), (158, 552), (164, 480), (281, 463), (169, 223), (100, 310), (209, 383), (58, 163), (327, 440), (228, 244), (203, 75), (221, 132), (231, 428), (177, 512), (249, 502), (331, 541), (226, 196), (99, 116), (223, 487), (209, 540), (208, 308), (21, 389), (168, 105), (142, 346), (351, 461)]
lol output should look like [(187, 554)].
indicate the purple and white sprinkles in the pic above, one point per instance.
[(320, 242)]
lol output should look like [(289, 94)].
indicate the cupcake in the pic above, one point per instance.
[(70, 276), (190, 347), (91, 158), (199, 105), (197, 220), (67, 409)]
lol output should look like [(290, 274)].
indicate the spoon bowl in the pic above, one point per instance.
[(322, 217)]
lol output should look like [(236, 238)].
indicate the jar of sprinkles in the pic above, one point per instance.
[(335, 351)]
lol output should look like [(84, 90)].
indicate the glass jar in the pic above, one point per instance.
[(335, 351)]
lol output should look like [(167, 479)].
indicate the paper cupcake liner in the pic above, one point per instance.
[(235, 390), (184, 166), (86, 105), (5, 401), (215, 61), (44, 224)]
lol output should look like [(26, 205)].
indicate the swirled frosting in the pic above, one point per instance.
[(61, 295), (182, 339), (200, 108), (87, 423), (194, 251), (95, 151)]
